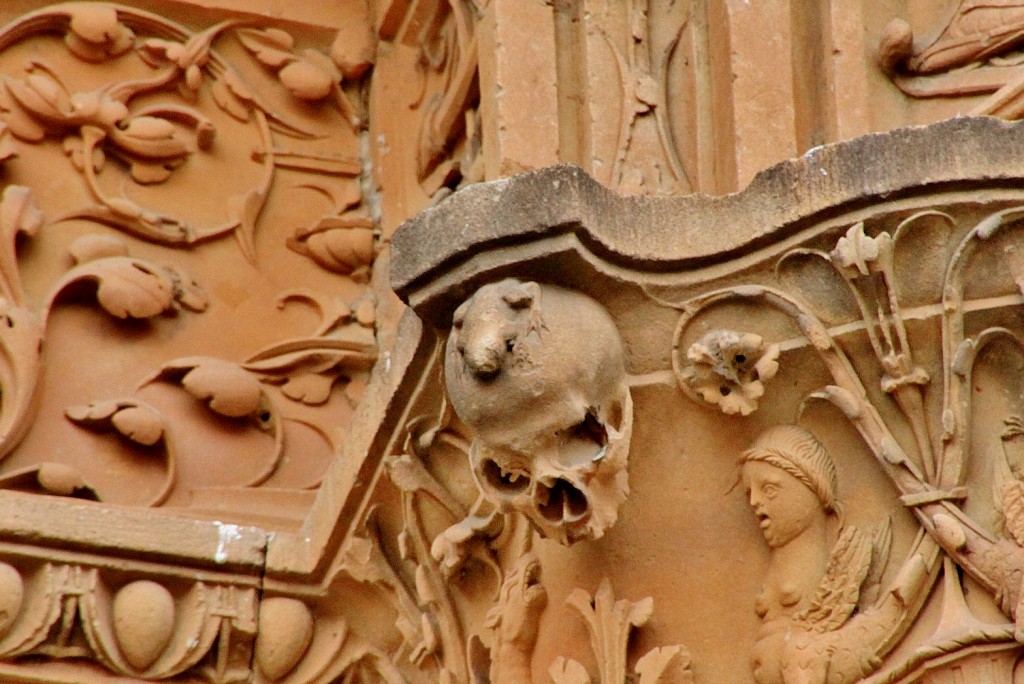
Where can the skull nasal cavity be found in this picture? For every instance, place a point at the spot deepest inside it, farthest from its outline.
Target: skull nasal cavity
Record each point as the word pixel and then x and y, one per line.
pixel 506 482
pixel 561 501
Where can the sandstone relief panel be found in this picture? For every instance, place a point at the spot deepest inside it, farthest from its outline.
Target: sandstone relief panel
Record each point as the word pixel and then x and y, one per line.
pixel 823 428
pixel 973 52
pixel 771 437
pixel 115 120
pixel 188 326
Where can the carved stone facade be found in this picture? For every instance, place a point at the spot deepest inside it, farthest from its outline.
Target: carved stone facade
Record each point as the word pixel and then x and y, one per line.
pixel 618 425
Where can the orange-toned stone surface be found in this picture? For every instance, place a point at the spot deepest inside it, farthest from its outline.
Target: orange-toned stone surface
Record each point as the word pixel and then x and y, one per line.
pixel 770 436
pixel 821 433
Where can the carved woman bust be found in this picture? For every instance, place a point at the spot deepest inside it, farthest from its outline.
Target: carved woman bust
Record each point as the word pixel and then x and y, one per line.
pixel 816 566
pixel 790 482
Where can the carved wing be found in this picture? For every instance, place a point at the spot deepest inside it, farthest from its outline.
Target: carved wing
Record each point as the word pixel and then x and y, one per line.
pixel 836 597
pixel 881 544
pixel 1013 509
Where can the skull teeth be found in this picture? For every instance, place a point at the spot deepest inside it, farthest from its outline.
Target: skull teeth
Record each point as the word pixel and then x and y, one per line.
pixel 511 475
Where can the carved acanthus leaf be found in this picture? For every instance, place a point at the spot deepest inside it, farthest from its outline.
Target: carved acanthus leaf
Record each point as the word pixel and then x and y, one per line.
pixel 568 671
pixel 610 623
pixel 228 390
pixel 19 215
pixel 224 386
pixel 653 664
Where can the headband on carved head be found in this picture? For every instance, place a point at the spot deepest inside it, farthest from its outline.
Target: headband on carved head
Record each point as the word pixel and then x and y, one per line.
pixel 797 452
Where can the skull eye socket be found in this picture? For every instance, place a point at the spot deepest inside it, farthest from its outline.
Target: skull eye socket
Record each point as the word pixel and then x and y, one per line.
pixel 510 344
pixel 590 429
pixel 506 482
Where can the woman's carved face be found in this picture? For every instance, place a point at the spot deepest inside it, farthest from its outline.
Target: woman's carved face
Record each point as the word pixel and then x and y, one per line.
pixel 784 506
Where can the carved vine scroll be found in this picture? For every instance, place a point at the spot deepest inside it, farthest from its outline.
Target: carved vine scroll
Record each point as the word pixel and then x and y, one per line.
pixel 134 112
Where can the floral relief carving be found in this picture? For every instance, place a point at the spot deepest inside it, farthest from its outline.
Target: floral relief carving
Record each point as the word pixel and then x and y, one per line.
pixel 140 108
pixel 835 636
pixel 150 138
pixel 124 287
pixel 729 369
pixel 609 623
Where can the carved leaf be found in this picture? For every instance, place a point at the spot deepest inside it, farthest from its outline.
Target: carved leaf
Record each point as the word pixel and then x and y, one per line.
pixel 21 335
pixel 127 287
pixel 61 479
pixel 609 623
pixel 312 389
pixel 95 33
pixel 19 215
pixel 272 47
pixel 310 367
pixel 653 664
pixel 340 245
pixel 246 210
pixel 228 99
pixel 1013 509
pixel 306 81
pixel 839 590
pixel 224 386
pixel 568 671
pixel 157 52
pixel 134 419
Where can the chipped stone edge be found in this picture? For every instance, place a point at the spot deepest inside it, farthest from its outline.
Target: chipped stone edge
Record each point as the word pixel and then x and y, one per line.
pixel 679 232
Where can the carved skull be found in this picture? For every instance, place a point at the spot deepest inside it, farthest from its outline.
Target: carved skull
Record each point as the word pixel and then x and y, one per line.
pixel 538 372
